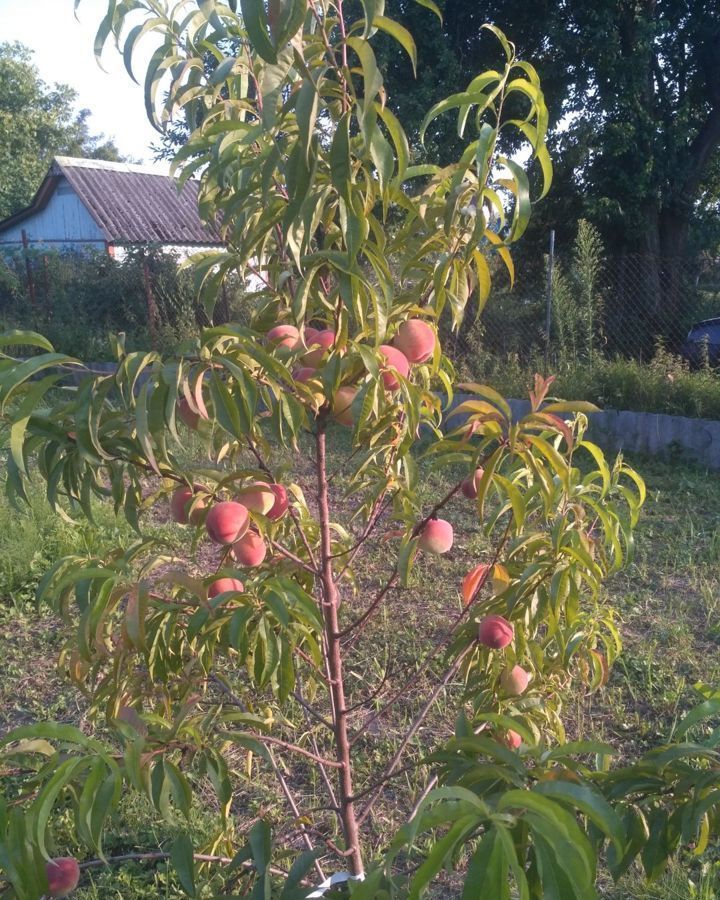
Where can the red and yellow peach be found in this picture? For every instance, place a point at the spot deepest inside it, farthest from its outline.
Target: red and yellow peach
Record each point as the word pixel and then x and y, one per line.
pixel 416 340
pixel 227 522
pixel 250 550
pixel 436 536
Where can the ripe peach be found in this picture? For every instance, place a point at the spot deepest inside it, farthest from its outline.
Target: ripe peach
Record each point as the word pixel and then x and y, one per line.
pixel 416 339
pixel 227 522
pixel 514 681
pixel 280 506
pixel 63 875
pixel 250 550
pixel 309 333
pixel 284 336
pixel 225 584
pixel 471 484
pixel 495 632
pixel 189 416
pixel 512 739
pixel 394 359
pixel 180 502
pixel 436 536
pixel 257 497
pixel 342 405
pixel 304 373
pixel 321 342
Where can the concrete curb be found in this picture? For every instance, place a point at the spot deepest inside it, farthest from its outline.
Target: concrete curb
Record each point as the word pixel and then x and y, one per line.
pixel 654 434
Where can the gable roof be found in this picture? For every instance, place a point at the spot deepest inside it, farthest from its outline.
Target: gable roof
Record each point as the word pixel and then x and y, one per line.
pixel 130 204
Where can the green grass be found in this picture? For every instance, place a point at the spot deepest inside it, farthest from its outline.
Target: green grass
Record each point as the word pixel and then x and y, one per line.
pixel 668 603
pixel 664 385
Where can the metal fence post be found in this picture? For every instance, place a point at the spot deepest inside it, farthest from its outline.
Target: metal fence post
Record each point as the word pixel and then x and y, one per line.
pixel 548 299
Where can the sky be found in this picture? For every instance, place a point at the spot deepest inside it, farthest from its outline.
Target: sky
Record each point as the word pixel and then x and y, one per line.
pixel 63 52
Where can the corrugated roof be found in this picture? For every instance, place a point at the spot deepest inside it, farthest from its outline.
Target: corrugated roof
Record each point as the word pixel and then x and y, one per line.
pixel 131 204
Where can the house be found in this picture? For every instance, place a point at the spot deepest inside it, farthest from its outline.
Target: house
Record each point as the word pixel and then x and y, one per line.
pixel 89 203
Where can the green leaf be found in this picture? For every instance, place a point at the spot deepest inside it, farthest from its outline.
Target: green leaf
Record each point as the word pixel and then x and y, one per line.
pixel 255 21
pixel 705 710
pixel 183 861
pixel 48 794
pixel 428 4
pixel 439 854
pixel 400 34
pixel 488 866
pixel 406 557
pixel 306 110
pixel 570 849
pixel 589 802
pixel 521 189
pixel 340 165
pixel 506 45
pixel 297 874
pixel 372 79
pixel 260 840
pixel 25 338
pixel 399 139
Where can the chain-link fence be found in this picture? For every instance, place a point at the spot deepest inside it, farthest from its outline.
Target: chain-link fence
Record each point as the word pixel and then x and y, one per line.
pixel 573 307
pixel 582 304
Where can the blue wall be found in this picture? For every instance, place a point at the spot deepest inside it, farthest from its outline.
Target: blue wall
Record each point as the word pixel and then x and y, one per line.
pixel 65 224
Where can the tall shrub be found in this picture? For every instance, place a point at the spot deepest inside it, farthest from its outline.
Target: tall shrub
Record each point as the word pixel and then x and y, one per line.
pixel 258 638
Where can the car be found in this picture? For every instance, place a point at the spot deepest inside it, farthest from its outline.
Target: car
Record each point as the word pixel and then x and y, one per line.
pixel 702 343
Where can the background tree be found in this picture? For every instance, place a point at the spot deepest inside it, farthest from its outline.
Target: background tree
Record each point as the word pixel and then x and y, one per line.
pixel 37 122
pixel 633 90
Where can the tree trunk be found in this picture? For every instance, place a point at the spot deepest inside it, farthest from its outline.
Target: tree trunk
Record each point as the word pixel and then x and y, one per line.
pixel 333 653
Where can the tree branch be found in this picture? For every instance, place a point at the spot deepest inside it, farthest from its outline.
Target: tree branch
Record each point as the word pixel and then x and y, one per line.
pixel 361 620
pixel 295 811
pixel 283 551
pixel 411 732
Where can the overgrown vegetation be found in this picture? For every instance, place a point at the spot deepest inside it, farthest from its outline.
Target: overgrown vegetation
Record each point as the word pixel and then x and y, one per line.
pixel 507 346
pixel 664 385
pixel 78 299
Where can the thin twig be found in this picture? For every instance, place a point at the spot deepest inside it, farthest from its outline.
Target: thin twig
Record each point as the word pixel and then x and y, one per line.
pixel 283 551
pixel 411 767
pixel 294 748
pixel 430 786
pixel 374 694
pixel 411 732
pixel 375 518
pixel 311 710
pixel 268 739
pixel 332 653
pixel 295 811
pixel 360 621
pixel 323 773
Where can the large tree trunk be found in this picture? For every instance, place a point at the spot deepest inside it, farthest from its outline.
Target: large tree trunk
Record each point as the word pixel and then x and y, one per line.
pixel 658 275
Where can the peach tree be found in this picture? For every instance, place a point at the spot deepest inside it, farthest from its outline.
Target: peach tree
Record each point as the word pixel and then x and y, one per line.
pixel 289 451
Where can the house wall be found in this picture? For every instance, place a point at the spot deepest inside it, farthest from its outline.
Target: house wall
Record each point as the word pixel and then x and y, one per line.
pixel 64 224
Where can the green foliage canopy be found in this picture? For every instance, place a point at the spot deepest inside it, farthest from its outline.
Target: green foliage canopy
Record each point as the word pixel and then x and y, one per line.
pixel 634 94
